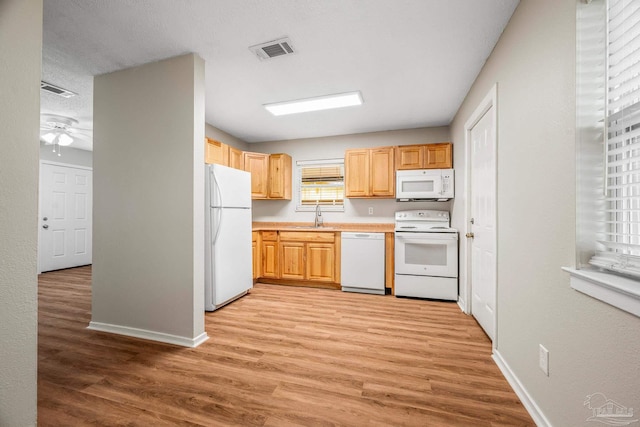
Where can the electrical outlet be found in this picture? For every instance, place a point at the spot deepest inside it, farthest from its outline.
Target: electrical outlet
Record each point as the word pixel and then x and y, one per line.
pixel 544 360
pixel 370 210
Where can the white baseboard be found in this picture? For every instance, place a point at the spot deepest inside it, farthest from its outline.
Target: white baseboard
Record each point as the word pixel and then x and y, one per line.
pixel 149 335
pixel 462 305
pixel 526 399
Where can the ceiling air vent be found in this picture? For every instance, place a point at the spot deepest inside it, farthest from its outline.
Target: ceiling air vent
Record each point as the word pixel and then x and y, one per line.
pixel 273 48
pixel 56 90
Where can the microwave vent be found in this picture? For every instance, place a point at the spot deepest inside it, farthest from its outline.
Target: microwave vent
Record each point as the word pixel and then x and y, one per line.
pixel 273 49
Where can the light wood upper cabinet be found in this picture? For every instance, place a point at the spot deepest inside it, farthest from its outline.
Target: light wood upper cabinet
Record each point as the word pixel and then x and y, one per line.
pixel 438 156
pixel 216 152
pixel 222 154
pixel 382 171
pixel 427 156
pixel 236 158
pixel 356 173
pixel 410 157
pixel 279 176
pixel 370 172
pixel 258 165
pixel 270 175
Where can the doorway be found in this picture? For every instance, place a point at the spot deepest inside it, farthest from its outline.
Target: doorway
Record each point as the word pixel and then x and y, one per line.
pixel 481 242
pixel 65 216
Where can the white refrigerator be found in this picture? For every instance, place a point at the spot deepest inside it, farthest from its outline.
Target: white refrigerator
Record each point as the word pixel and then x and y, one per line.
pixel 228 263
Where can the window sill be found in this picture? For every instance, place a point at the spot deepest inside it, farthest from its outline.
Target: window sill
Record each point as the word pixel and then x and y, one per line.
pixel 617 291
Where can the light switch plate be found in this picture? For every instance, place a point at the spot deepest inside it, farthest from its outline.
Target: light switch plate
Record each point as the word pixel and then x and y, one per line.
pixel 544 360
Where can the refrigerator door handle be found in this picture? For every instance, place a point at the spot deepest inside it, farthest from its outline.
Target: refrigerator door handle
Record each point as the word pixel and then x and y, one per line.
pixel 219 221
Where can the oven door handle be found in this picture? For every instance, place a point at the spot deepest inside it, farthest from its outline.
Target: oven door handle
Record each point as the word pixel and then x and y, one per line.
pixel 426 237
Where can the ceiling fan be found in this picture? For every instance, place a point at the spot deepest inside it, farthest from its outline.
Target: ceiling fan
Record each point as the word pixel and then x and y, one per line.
pixel 61 131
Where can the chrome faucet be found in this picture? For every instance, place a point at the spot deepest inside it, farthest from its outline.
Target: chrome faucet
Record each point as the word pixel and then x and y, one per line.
pixel 318 221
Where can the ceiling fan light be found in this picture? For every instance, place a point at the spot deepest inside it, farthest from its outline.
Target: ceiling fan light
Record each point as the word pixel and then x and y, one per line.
pixel 64 140
pixel 49 137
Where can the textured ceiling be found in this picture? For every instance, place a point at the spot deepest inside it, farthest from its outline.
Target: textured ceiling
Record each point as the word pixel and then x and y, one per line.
pixel 413 60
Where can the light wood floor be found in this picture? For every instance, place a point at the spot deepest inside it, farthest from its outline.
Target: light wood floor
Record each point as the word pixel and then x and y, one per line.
pixel 281 356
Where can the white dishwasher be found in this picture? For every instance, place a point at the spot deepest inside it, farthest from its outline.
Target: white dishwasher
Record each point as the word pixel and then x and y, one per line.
pixel 362 262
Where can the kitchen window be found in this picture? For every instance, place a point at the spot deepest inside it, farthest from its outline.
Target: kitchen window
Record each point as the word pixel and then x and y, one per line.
pixel 320 182
pixel 608 152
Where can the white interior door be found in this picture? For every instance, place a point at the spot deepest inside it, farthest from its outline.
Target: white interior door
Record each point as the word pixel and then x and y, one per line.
pixel 66 200
pixel 483 222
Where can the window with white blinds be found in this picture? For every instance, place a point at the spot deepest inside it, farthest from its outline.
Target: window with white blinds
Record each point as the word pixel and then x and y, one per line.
pixel 619 245
pixel 320 182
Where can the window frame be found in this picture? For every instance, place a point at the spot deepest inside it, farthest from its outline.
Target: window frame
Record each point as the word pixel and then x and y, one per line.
pixel 592 145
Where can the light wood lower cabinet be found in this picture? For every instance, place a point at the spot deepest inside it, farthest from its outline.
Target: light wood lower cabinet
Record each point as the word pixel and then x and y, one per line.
pixel 270 255
pixel 321 262
pixel 301 256
pixel 256 251
pixel 292 259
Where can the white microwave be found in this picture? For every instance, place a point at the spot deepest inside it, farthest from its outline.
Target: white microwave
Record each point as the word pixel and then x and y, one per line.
pixel 424 184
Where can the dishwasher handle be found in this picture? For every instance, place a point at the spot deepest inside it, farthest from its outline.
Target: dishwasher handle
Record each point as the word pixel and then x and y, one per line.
pixel 371 236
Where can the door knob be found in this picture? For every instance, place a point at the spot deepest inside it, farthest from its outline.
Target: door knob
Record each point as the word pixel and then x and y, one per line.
pixel 45 226
pixel 469 235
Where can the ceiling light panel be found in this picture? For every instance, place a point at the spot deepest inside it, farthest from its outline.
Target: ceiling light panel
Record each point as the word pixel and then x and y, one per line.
pixel 327 102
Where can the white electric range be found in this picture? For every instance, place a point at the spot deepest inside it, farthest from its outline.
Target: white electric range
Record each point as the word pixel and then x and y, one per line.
pixel 426 255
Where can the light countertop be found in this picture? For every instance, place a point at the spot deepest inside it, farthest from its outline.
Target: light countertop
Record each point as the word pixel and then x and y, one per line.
pixel 328 226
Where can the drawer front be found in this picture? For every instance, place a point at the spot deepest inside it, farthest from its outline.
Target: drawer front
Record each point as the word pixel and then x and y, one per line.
pixel 270 236
pixel 307 236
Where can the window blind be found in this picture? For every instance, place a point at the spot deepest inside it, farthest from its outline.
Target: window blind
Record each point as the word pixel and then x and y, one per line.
pixel 620 245
pixel 322 184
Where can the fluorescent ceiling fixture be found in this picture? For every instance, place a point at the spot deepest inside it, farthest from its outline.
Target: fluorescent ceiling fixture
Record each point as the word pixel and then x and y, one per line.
pixel 315 104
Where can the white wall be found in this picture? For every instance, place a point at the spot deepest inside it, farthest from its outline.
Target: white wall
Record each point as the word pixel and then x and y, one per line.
pixel 69 155
pixel 593 346
pixel 148 246
pixel 332 147
pixel 20 69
